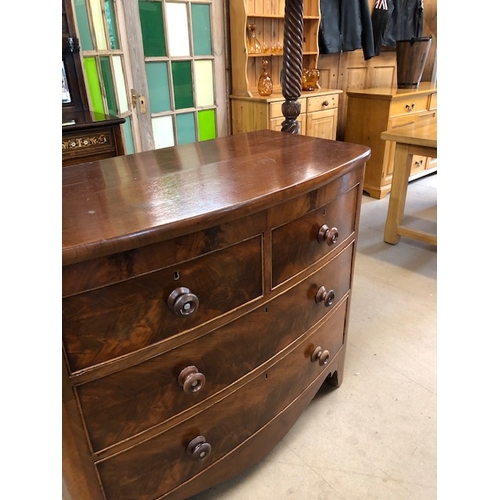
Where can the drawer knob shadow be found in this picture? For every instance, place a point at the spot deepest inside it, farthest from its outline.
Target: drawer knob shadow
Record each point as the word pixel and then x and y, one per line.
pixel 327 297
pixel 320 356
pixel 182 302
pixel 199 449
pixel 329 235
pixel 191 380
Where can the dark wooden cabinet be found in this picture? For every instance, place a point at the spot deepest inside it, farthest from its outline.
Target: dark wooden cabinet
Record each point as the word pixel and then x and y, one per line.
pixel 206 292
pixel 91 138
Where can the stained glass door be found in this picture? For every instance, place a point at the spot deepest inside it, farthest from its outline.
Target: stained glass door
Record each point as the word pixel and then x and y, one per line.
pixel 180 67
pixel 158 63
pixel 104 63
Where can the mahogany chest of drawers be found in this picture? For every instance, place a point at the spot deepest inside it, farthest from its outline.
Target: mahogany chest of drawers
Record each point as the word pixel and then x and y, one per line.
pixel 206 292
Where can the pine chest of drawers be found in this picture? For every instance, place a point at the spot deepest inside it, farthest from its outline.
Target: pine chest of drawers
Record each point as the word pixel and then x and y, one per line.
pixel 206 293
pixel 373 111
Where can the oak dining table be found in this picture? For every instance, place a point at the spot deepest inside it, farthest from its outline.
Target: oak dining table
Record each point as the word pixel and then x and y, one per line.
pixel 419 138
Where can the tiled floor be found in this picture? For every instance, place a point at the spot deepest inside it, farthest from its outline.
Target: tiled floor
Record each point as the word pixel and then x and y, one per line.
pixel 374 438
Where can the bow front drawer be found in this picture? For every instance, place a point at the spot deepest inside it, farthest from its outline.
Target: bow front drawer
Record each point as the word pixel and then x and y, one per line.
pixel 298 244
pixel 148 470
pixel 103 324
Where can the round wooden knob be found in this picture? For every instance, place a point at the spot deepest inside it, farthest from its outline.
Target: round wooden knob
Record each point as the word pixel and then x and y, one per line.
pixel 198 448
pixel 322 295
pixel 191 380
pixel 329 235
pixel 320 356
pixel 182 302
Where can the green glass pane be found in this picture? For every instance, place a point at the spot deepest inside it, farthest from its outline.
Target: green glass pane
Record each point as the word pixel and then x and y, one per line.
pixel 153 32
pixel 202 35
pixel 82 19
pixel 94 88
pixel 206 124
pixel 158 87
pixel 109 87
pixel 183 84
pixel 109 8
pixel 128 138
pixel 185 128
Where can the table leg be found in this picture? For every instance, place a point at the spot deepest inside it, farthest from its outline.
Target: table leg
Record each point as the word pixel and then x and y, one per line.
pixel 399 188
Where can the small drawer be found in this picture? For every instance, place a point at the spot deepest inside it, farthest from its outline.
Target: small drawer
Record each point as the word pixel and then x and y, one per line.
pixel 418 164
pixel 275 110
pixel 410 104
pixel 119 319
pixel 118 406
pixel 433 104
pixel 321 102
pixel 300 243
pixel 152 468
pixel 86 143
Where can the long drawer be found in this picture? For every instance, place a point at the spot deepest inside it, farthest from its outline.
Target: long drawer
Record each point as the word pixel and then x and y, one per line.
pixel 103 324
pixel 125 403
pixel 155 466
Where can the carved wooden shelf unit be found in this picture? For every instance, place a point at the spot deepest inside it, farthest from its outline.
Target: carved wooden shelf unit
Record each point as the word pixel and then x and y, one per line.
pixel 206 292
pixel 250 111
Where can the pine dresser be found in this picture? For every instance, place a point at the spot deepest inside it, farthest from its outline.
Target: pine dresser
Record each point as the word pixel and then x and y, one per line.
pixel 206 292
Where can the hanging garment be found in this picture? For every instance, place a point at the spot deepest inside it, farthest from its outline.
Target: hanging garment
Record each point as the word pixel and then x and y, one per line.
pixel 346 25
pixel 394 20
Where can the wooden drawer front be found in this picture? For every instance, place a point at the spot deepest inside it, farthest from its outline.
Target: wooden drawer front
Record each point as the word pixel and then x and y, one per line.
pixel 418 164
pixel 410 104
pixel 119 319
pixel 322 102
pixel 85 143
pixel 295 246
pixel 155 466
pixel 433 104
pixel 275 110
pixel 123 404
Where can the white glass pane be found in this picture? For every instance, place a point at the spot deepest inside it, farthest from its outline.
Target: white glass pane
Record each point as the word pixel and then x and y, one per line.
pixel 120 84
pixel 177 29
pixel 97 19
pixel 163 131
pixel 203 77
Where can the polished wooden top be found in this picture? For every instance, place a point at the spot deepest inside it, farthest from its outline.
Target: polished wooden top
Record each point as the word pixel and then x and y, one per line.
pixel 129 201
pixel 420 133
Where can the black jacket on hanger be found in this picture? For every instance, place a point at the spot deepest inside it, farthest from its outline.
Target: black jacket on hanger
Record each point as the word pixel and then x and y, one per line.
pixel 346 25
pixel 394 20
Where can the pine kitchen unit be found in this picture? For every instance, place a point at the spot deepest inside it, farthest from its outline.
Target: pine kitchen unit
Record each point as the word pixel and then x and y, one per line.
pixel 249 110
pixel 318 116
pixel 206 295
pixel 373 111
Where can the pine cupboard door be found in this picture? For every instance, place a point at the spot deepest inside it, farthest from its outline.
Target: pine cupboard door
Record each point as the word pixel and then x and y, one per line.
pixel 322 124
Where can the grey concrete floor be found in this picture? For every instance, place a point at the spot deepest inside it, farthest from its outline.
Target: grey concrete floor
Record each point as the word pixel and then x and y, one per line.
pixel 375 437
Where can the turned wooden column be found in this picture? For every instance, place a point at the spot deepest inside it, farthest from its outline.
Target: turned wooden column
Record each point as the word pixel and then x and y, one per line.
pixel 291 74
